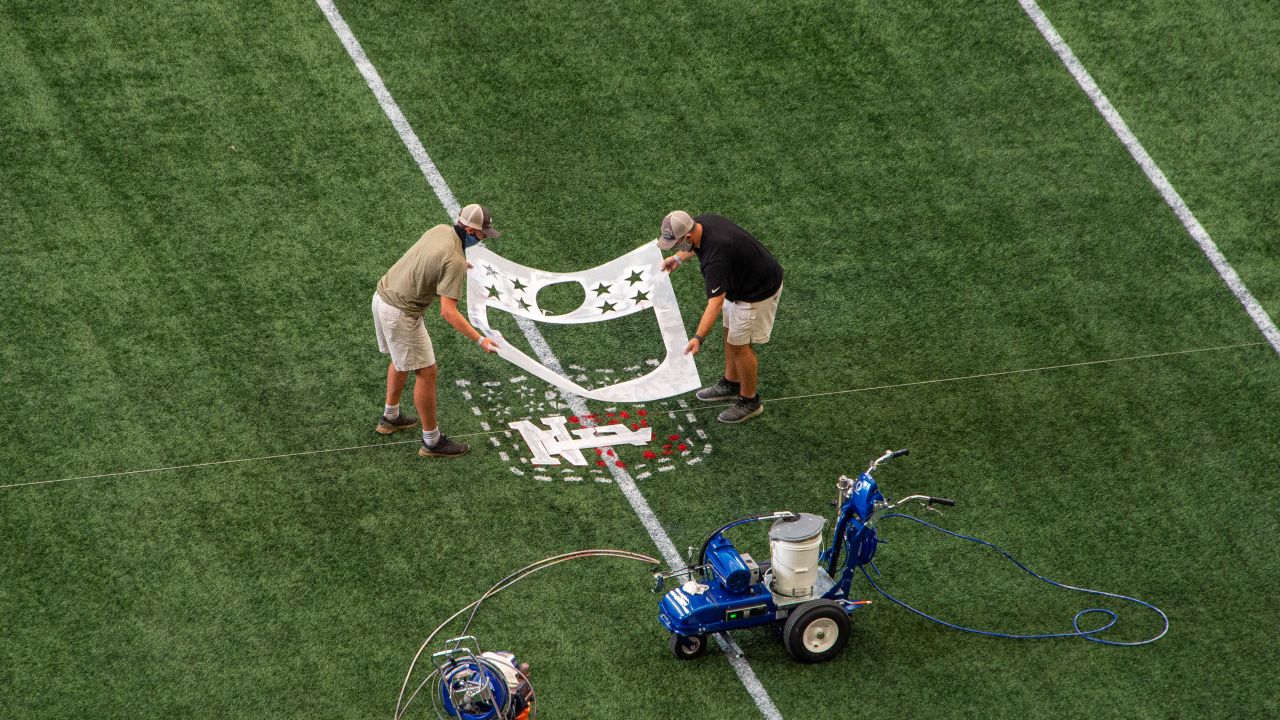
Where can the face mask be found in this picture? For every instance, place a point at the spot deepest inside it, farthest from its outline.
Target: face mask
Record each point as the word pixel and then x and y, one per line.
pixel 468 240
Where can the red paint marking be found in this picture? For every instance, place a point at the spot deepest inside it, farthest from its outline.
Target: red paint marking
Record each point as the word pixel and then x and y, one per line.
pixel 682 447
pixel 599 451
pixel 620 464
pixel 624 414
pixel 600 463
pixel 649 455
pixel 673 437
pixel 635 426
pixel 644 423
pixel 641 413
pixel 574 419
pixel 609 453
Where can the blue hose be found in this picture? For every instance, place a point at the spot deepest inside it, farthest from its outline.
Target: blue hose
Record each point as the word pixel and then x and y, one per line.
pixel 1089 635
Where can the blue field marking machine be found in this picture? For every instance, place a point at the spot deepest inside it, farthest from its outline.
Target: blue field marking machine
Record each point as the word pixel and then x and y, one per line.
pixel 802 589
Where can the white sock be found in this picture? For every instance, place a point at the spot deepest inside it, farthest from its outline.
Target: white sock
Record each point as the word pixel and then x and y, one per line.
pixel 431 437
pixel 391 412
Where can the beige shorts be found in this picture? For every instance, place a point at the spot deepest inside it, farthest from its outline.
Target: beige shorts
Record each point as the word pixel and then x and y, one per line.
pixel 403 337
pixel 746 323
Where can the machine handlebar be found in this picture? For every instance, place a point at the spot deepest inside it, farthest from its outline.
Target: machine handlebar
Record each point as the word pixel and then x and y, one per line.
pixel 886 457
pixel 941 501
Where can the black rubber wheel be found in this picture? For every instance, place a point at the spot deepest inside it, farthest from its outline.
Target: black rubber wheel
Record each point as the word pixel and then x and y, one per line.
pixel 817 631
pixel 687 647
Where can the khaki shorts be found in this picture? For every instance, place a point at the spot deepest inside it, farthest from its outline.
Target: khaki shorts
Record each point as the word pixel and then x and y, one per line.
pixel 746 323
pixel 402 336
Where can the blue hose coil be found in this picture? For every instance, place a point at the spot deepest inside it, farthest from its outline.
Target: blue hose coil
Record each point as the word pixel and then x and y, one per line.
pixel 1089 635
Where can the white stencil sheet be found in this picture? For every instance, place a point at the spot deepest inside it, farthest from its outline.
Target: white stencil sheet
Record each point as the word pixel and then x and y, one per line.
pixel 629 284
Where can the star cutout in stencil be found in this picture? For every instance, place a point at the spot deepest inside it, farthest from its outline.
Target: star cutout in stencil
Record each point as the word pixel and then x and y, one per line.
pixel 518 285
pixel 635 277
pixel 607 307
pixel 524 305
pixel 493 292
pixel 602 289
pixel 488 270
pixel 640 297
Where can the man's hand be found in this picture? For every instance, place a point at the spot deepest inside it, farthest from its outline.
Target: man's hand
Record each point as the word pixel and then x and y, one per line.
pixel 693 347
pixel 671 263
pixel 489 345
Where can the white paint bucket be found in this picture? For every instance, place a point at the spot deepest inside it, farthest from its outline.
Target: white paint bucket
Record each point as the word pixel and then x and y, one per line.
pixel 794 546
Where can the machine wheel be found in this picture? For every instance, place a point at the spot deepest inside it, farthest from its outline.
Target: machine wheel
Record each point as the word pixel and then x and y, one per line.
pixel 687 647
pixel 817 631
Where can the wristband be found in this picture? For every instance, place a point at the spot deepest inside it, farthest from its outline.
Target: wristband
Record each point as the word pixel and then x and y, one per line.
pixel 699 338
pixel 679 262
pixel 480 341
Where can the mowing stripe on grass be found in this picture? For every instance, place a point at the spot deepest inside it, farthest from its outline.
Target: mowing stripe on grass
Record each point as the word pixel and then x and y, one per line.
pixel 716 407
pixel 621 477
pixel 1157 177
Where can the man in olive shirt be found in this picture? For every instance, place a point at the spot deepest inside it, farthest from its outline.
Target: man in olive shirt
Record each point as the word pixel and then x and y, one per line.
pixel 435 267
pixel 743 283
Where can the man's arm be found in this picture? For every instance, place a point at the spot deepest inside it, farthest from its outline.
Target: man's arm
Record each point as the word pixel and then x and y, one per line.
pixel 676 260
pixel 449 311
pixel 708 321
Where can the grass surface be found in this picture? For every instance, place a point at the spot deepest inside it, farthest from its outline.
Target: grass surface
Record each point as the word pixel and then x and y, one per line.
pixel 198 201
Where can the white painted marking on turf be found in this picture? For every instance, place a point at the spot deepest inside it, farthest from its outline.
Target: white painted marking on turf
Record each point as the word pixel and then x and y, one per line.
pixel 1153 172
pixel 536 341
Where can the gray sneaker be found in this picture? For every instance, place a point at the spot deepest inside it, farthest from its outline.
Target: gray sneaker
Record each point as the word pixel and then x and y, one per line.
pixel 446 447
pixel 742 410
pixel 386 425
pixel 722 390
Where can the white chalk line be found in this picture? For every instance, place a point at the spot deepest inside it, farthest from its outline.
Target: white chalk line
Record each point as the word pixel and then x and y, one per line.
pixel 1154 174
pixel 623 479
pixel 848 391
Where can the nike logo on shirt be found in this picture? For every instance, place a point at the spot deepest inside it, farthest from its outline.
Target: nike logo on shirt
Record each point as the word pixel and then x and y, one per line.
pixel 713 292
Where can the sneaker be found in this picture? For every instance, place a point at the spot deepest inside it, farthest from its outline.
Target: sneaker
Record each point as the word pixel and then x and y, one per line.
pixel 446 447
pixel 722 390
pixel 386 425
pixel 742 410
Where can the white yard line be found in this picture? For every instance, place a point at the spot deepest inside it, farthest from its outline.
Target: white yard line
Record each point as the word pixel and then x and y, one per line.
pixel 536 341
pixel 1139 153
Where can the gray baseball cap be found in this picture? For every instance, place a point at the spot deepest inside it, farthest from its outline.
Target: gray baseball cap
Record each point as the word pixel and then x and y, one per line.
pixel 675 226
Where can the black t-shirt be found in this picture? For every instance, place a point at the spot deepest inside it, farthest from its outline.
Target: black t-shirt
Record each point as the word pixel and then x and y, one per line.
pixel 735 263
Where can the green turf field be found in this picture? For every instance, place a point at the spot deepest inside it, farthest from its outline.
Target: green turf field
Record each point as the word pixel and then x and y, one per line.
pixel 196 201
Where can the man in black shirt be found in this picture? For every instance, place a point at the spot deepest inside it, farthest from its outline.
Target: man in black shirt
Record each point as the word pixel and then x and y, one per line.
pixel 743 282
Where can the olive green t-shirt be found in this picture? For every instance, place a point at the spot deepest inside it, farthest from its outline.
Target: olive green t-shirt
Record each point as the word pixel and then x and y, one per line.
pixel 433 267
